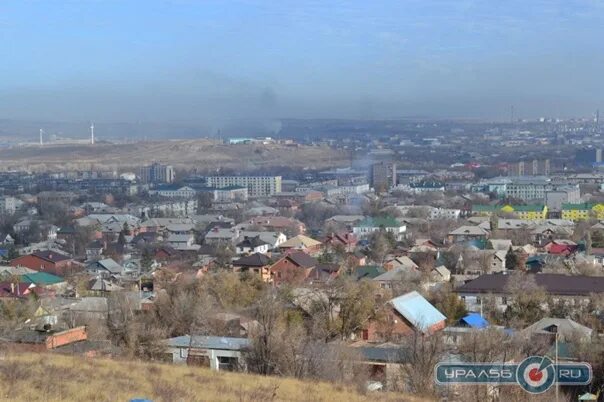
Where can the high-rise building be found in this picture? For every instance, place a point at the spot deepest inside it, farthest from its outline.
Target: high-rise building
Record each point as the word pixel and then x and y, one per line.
pixel 258 186
pixel 157 173
pixel 541 167
pixel 383 176
pixel 517 169
pixel 537 167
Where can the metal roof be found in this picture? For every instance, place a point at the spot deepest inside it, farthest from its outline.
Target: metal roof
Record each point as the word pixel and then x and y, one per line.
pixel 208 342
pixel 417 310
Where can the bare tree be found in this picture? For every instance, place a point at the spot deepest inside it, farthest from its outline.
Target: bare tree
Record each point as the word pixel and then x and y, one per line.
pixel 423 353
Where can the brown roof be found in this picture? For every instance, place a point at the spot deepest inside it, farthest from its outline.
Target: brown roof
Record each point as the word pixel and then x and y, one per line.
pixel 557 284
pixel 254 260
pixel 51 256
pixel 302 259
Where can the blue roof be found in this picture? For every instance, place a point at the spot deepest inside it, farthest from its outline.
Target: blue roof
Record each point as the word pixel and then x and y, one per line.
pixel 209 342
pixel 417 310
pixel 475 320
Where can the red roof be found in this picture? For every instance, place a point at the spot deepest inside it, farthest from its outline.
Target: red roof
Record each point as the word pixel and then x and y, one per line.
pixel 561 249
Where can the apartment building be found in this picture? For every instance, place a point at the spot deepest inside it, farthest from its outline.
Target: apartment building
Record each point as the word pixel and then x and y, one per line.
pixel 257 186
pixel 157 173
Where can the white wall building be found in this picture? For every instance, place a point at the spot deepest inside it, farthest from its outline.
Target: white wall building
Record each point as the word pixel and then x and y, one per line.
pixel 258 186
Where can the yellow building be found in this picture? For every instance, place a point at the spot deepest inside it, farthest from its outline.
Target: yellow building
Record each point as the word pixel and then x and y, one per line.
pixel 583 211
pixel 525 212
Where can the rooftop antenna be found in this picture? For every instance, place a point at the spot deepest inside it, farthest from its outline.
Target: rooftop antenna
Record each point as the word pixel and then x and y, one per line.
pixel 41 137
pixel 91 133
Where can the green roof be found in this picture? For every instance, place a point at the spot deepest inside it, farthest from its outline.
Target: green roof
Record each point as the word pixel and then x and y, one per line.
pixel 528 208
pixel 41 278
pixel 368 271
pixel 517 208
pixel 386 222
pixel 486 208
pixel 577 207
pixel 427 184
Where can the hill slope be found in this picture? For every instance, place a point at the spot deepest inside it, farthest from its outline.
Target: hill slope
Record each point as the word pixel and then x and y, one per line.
pixel 203 154
pixel 52 377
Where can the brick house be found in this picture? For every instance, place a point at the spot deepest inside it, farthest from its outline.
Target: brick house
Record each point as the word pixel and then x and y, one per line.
pixel 257 263
pixel 39 340
pixel 405 315
pixel 346 240
pixel 293 268
pixel 47 261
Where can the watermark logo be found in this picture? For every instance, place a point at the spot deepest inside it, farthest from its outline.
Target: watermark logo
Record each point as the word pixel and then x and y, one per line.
pixel 535 374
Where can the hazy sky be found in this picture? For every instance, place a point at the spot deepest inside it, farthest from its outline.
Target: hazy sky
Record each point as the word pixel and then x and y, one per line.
pixel 153 60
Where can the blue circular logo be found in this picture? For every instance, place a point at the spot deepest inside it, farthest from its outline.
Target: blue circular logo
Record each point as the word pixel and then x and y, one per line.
pixel 536 374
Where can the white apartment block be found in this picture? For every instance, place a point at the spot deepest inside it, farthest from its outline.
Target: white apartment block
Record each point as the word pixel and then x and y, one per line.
pixel 444 213
pixel 9 205
pixel 257 186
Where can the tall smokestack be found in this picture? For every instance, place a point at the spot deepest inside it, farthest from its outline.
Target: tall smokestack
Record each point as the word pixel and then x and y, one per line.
pixel 41 137
pixel 92 133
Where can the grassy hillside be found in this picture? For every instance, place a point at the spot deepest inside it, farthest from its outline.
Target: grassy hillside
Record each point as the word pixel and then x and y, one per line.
pixel 51 377
pixel 180 153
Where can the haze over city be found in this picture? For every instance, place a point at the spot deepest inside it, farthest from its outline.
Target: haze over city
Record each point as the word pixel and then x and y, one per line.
pixel 212 61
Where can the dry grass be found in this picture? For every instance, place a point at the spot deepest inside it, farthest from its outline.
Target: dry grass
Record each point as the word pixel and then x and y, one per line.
pixel 204 154
pixel 51 377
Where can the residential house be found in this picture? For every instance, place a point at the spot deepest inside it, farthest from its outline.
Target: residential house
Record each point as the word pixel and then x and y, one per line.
pixel 368 226
pixel 571 289
pixel 145 238
pixel 278 224
pixel 440 274
pixel 219 235
pixel 561 247
pixel 44 280
pixel 274 239
pixel 257 263
pixel 216 352
pixel 345 241
pixel 103 287
pixel 251 245
pixel 396 277
pixel 23 225
pixel 294 267
pixel 21 290
pixel 347 221
pixel 303 243
pixel 558 337
pixel 401 261
pixel 183 242
pixel 165 253
pixel 94 250
pixel 407 314
pixel 47 261
pixel 464 328
pixel 565 329
pixel 324 272
pixel 424 246
pixel 468 234
pixel 367 272
pixel 499 244
pixel 106 268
